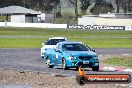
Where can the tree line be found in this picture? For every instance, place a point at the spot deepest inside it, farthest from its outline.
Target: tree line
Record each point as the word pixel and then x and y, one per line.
pixel 98 6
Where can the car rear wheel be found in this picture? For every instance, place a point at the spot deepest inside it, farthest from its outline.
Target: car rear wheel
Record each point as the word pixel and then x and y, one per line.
pixel 64 64
pixel 95 68
pixel 48 63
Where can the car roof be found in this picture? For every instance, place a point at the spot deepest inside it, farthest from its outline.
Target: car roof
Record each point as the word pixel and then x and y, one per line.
pixel 69 42
pixel 58 38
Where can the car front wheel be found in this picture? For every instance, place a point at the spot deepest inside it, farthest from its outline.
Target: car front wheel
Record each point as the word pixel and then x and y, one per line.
pixel 48 63
pixel 77 68
pixel 64 64
pixel 95 68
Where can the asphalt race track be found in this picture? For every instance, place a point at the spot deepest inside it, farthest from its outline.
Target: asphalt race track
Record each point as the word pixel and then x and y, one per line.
pixel 30 60
pixel 114 51
pixel 23 59
pixel 27 59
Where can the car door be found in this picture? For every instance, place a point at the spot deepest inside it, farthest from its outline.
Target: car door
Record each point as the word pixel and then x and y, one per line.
pixel 58 54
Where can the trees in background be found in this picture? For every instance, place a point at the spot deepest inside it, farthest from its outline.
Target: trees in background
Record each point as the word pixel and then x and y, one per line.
pixel 98 6
pixel 126 5
pixel 75 2
pixel 84 6
pixel 130 5
pixel 4 3
pixel 101 6
pixel 40 5
pixel 57 8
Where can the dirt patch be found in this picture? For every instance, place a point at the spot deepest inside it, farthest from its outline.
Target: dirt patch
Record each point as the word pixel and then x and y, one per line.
pixel 40 80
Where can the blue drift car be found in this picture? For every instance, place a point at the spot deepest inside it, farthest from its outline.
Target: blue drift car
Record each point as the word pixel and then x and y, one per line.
pixel 71 55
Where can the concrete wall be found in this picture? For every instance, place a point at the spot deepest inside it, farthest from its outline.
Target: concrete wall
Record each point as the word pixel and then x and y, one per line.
pixel 42 25
pixel 23 19
pixel 46 18
pixel 28 19
pixel 18 18
pixel 113 22
pixel 123 16
pixel 43 18
pixel 87 21
pixel 104 21
pixel 49 18
pixel 37 25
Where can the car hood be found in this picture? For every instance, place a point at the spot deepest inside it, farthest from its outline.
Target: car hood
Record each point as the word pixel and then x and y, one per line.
pixel 49 46
pixel 81 53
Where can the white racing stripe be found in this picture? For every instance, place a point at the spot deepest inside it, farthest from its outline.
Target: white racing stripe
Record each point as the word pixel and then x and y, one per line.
pixel 125 54
pixel 109 69
pixel 115 69
pixel 128 70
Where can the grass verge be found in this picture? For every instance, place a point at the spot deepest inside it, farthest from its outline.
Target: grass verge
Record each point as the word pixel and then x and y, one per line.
pixel 21 42
pixel 33 37
pixel 64 32
pixel 36 42
pixel 119 61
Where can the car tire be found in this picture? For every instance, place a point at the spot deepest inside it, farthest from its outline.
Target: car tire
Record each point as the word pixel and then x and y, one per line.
pixel 95 68
pixel 81 80
pixel 42 55
pixel 48 63
pixel 77 68
pixel 64 64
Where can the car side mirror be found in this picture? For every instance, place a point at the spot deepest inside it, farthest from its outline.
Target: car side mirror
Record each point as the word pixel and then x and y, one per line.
pixel 42 44
pixel 57 50
pixel 93 50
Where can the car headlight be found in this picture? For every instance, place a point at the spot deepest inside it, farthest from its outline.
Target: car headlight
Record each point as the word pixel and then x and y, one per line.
pixel 72 58
pixel 95 57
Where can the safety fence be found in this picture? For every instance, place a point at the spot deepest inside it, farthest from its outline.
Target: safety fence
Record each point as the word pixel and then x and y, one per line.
pixel 50 25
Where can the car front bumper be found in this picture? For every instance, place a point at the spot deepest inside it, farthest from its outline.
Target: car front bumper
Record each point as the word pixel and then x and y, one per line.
pixel 88 63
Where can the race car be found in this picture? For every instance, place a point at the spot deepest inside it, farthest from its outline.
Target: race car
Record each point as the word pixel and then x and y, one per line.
pixel 50 43
pixel 71 55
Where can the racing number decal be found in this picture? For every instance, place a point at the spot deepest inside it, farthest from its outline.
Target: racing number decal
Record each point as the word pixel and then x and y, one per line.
pixel 57 56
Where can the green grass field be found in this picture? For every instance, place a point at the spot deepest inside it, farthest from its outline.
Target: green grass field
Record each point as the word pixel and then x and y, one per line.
pixel 33 37
pixel 120 61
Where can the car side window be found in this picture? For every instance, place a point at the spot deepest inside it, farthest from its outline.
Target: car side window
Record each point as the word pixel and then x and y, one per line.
pixel 53 41
pixel 47 42
pixel 58 46
pixel 88 47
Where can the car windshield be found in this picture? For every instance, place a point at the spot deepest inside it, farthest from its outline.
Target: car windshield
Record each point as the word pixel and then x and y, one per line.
pixel 75 47
pixel 54 41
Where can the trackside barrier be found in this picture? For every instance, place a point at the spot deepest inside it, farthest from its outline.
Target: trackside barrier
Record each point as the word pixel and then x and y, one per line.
pixel 36 25
pixel 128 28
pixel 100 27
pixel 50 25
